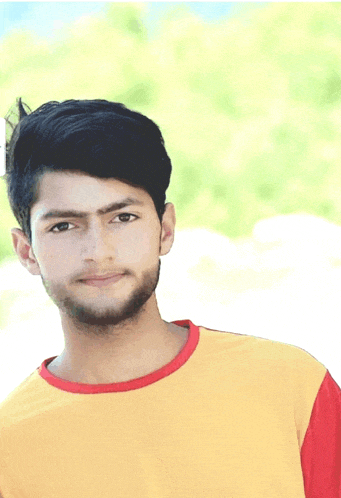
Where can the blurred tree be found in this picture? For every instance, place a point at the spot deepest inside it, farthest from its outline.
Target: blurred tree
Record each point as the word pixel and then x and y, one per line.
pixel 250 107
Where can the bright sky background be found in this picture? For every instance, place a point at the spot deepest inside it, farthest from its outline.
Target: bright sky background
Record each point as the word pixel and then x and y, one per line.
pixel 44 17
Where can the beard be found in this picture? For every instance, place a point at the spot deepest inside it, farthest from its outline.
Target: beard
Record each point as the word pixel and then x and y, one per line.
pixel 113 310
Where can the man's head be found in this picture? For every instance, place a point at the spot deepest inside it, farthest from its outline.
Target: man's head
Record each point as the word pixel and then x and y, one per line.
pixel 107 156
pixel 95 137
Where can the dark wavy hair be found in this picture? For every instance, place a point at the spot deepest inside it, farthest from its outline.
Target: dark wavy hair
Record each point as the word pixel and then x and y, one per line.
pixel 101 138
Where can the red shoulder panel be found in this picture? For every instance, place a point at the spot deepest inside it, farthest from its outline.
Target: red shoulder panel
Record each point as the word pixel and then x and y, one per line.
pixel 321 449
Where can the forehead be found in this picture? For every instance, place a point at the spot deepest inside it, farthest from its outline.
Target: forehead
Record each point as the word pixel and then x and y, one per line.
pixel 81 192
pixel 62 183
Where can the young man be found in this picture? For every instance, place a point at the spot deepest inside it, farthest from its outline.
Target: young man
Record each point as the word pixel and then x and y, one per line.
pixel 136 406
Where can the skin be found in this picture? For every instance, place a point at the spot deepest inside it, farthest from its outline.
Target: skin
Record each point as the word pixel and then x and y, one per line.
pixel 114 333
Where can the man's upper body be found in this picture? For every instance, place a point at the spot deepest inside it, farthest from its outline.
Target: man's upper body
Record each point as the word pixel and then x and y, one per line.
pixel 230 415
pixel 135 406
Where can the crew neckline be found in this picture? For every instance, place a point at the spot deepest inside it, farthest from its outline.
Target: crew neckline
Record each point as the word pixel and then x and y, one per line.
pixel 130 385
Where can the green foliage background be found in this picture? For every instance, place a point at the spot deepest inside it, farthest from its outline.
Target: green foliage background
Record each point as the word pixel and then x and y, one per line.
pixel 250 107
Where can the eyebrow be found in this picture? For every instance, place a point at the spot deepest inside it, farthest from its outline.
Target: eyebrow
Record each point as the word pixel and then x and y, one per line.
pixel 114 206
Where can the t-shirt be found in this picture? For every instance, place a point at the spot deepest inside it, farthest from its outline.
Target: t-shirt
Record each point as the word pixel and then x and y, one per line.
pixel 231 416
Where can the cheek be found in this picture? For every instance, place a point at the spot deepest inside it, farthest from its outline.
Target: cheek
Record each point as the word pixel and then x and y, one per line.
pixel 55 258
pixel 137 247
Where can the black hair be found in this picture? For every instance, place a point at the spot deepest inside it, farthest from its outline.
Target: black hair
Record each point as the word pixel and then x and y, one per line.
pixel 97 137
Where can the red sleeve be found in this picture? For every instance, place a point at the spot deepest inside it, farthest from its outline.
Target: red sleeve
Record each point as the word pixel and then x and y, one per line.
pixel 321 450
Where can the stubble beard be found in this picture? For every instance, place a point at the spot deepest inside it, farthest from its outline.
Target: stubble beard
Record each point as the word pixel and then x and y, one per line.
pixel 96 321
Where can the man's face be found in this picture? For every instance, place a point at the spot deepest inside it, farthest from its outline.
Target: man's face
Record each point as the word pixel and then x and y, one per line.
pixel 68 248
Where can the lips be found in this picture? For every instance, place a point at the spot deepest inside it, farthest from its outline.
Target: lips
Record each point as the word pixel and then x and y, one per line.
pixel 101 277
pixel 101 282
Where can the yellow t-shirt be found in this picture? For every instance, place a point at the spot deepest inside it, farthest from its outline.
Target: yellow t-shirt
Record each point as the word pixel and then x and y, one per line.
pixel 231 416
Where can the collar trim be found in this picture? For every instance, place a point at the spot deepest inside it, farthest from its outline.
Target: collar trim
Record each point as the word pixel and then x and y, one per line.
pixel 130 385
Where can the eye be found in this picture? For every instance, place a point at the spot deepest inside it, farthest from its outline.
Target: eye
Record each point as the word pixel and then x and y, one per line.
pixel 68 223
pixel 126 214
pixel 58 225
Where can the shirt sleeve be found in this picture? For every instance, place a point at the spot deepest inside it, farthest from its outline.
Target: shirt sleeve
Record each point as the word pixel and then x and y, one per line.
pixel 321 449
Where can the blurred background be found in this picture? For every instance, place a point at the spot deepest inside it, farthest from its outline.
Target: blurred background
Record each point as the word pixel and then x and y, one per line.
pixel 248 98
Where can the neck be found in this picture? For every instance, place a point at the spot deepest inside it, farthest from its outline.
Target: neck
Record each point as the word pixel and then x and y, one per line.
pixel 120 360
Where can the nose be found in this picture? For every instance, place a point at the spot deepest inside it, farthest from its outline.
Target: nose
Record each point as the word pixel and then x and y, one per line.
pixel 99 242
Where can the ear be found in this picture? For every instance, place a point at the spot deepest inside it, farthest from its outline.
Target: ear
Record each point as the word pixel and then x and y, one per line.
pixel 24 251
pixel 168 228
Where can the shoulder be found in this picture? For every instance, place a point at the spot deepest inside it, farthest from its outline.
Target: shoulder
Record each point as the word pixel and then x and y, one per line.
pixel 267 353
